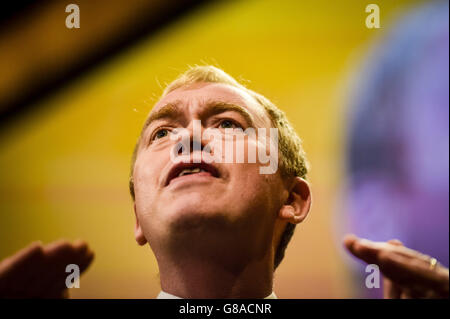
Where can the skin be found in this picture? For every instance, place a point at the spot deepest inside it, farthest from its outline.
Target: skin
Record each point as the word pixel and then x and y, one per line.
pixel 38 271
pixel 407 273
pixel 214 237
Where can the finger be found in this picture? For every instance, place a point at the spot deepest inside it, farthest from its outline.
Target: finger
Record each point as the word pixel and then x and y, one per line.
pixel 411 273
pixel 20 258
pixel 58 285
pixel 58 247
pixel 34 270
pixel 56 294
pixel 368 251
pixel 395 242
pixel 359 249
pixel 404 266
pixel 45 272
pixel 405 295
pixel 391 290
pixel 77 253
pixel 401 263
pixel 18 270
pixel 349 240
pixel 80 245
pixel 51 280
pixel 86 255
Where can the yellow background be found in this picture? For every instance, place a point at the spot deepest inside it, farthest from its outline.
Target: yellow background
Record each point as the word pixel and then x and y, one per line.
pixel 64 169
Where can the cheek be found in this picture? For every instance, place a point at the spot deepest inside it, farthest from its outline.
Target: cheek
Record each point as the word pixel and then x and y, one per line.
pixel 259 149
pixel 250 186
pixel 146 175
pixel 240 149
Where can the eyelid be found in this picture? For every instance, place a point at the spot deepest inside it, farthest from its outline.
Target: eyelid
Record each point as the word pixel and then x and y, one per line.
pixel 156 130
pixel 234 121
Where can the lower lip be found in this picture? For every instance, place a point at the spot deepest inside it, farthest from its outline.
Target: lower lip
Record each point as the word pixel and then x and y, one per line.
pixel 191 178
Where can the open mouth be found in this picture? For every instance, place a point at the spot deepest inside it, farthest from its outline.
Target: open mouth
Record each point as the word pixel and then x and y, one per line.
pixel 185 169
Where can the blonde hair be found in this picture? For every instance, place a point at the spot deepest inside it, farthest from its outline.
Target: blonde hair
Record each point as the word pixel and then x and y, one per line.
pixel 292 156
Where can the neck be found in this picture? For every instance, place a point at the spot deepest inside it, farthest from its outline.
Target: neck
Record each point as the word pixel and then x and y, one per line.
pixel 193 276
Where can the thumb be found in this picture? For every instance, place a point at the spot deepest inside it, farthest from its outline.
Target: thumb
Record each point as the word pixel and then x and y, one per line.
pixel 395 242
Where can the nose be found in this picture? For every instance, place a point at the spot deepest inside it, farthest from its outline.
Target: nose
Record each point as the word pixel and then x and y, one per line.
pixel 194 145
pixel 191 139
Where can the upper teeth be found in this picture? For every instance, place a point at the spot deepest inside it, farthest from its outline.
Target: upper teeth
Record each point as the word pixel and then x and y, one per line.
pixel 187 171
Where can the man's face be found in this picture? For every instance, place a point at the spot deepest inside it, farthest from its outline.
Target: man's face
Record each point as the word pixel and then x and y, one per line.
pixel 225 198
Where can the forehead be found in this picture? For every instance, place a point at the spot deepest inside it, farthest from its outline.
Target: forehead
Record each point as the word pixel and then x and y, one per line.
pixel 198 94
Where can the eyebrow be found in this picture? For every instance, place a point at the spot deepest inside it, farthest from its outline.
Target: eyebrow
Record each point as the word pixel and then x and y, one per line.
pixel 168 111
pixel 217 107
pixel 172 111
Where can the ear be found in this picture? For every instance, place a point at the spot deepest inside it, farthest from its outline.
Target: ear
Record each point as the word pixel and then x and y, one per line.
pixel 138 233
pixel 298 204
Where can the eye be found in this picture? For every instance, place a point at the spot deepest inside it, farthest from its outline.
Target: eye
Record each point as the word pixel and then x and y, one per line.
pixel 228 124
pixel 160 134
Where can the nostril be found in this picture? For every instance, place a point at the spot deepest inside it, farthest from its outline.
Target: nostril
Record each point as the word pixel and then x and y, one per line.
pixel 180 147
pixel 207 149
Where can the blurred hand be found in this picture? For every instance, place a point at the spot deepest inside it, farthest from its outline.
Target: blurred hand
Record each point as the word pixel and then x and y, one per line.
pixel 39 271
pixel 408 273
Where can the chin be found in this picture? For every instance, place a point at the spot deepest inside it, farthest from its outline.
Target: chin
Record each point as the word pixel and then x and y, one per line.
pixel 195 214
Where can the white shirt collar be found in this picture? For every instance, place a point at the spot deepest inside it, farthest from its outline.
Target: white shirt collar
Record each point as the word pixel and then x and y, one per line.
pixel 165 295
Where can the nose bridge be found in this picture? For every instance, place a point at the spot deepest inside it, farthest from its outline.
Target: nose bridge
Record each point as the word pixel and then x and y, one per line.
pixel 194 133
pixel 193 114
pixel 194 128
pixel 192 141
